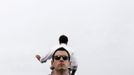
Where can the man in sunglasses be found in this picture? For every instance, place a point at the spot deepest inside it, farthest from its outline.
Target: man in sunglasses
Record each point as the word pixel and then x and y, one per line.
pixel 63 40
pixel 61 62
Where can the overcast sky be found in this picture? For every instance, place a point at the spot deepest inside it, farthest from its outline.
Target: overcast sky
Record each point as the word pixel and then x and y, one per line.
pixel 101 32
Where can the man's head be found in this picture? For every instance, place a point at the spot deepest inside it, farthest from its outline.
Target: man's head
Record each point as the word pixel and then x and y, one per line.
pixel 61 59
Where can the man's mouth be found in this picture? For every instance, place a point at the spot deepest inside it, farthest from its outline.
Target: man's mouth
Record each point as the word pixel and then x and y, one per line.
pixel 61 63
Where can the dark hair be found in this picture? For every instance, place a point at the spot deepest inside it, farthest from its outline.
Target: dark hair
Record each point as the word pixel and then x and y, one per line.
pixel 63 39
pixel 60 49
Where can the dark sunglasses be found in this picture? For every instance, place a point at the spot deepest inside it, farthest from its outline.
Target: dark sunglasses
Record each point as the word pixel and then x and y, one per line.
pixel 59 57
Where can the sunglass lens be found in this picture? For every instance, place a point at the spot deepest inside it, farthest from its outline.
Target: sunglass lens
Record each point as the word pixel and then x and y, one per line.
pixel 65 58
pixel 57 58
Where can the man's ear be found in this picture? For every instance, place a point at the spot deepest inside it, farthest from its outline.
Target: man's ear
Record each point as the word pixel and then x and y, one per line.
pixel 51 62
pixel 70 64
pixel 52 67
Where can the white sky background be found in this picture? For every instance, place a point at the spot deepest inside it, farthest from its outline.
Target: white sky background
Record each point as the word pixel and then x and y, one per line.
pixel 100 31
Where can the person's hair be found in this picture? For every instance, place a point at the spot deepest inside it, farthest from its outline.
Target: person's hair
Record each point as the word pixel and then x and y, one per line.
pixel 61 49
pixel 63 39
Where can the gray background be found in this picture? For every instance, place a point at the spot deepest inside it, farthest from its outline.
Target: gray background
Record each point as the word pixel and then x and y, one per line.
pixel 100 31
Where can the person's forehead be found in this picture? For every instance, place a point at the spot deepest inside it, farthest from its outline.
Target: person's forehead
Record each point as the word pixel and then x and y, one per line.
pixel 61 53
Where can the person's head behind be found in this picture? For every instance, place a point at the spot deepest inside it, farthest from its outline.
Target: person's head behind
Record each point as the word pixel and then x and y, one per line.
pixel 63 39
pixel 61 59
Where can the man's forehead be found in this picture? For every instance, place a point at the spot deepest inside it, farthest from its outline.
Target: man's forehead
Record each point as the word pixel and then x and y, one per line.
pixel 61 53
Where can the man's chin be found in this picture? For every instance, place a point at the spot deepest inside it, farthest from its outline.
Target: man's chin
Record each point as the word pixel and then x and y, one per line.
pixel 61 69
